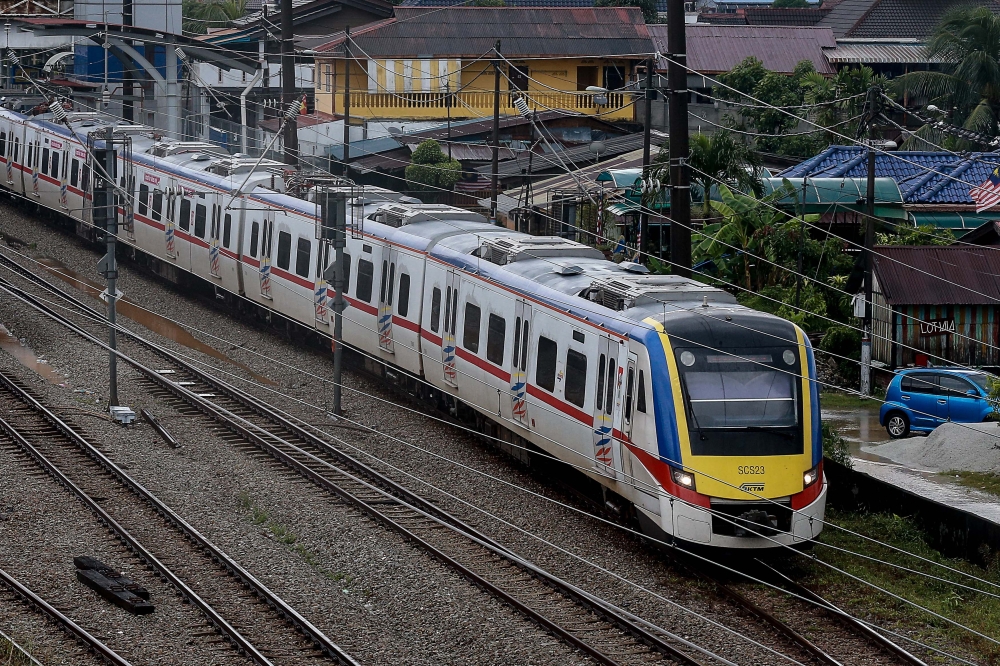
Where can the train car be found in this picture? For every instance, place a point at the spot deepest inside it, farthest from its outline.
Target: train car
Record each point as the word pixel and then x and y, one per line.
pixel 699 415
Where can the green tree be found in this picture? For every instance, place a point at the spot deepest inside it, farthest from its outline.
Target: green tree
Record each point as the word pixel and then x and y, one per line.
pixel 430 168
pixel 968 41
pixel 648 7
pixel 199 15
pixel 925 234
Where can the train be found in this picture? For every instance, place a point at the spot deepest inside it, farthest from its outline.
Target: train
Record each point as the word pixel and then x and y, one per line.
pixel 697 416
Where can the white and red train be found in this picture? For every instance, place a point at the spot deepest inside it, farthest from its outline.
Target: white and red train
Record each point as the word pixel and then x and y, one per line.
pixel 699 412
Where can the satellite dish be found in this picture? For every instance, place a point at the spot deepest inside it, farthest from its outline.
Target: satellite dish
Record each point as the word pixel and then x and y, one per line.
pixel 394 131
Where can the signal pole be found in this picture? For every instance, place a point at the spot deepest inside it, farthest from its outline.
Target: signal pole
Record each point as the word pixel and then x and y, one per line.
pixel 104 209
pixel 347 103
pixel 680 178
pixel 494 189
pixel 334 231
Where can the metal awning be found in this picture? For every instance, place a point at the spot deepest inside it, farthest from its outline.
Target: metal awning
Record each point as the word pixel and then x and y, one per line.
pixel 949 220
pixel 620 178
pixel 828 195
pixel 619 208
pixel 879 53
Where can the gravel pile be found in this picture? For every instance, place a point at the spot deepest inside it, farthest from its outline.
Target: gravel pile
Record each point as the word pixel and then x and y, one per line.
pixel 369 590
pixel 968 447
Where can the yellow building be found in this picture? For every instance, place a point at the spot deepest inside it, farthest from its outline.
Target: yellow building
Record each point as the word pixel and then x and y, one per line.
pixel 422 61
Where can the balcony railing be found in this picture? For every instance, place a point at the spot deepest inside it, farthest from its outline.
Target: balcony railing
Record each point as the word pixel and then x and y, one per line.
pixel 477 103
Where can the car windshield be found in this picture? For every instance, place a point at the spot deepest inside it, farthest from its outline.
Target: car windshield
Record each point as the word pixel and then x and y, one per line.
pixel 981 379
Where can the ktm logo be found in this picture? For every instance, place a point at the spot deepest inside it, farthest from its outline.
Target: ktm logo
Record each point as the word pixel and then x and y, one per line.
pixel 753 487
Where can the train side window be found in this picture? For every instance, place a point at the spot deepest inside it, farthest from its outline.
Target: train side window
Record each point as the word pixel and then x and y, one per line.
pixel 303 252
pixel 609 398
pixel 3 143
pixel 45 161
pixel 599 398
pixel 199 220
pixel 385 278
pixel 31 155
pixel 392 282
pixel 403 306
pixel 496 332
pixel 435 309
pixel 454 309
pixel 143 199
pixel 347 273
pixel 17 148
pixel 254 235
pixel 157 205
pixel 366 275
pixel 470 328
pixel 284 249
pixel 629 385
pixel 640 401
pixel 74 172
pixel 524 346
pixel 227 230
pixel 55 164
pixel 447 309
pixel 545 365
pixel 186 215
pixel 517 343
pixel 576 377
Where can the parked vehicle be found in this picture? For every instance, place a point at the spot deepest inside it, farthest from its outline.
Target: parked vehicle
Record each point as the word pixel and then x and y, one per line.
pixel 921 399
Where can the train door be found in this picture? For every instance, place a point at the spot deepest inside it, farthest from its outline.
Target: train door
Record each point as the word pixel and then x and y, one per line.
pixel 519 363
pixel 265 254
pixel 213 240
pixel 448 330
pixel 385 295
pixel 604 403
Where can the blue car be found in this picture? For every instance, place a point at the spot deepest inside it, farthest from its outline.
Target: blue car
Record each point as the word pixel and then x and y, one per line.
pixel 921 399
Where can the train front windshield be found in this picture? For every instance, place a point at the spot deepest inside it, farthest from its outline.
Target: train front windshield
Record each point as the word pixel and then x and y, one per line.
pixel 756 391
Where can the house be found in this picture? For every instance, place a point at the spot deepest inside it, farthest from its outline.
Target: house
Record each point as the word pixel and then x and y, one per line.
pixel 934 185
pixel 936 302
pixel 435 63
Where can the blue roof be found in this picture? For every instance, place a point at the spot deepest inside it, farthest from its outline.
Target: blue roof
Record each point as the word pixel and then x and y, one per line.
pixel 924 177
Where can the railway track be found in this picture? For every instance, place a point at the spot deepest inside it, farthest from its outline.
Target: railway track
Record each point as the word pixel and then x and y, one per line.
pixel 21 592
pixel 606 633
pixel 231 598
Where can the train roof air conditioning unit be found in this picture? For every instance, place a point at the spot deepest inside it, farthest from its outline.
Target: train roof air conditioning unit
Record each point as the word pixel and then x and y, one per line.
pixel 168 148
pixel 400 214
pixel 628 291
pixel 507 250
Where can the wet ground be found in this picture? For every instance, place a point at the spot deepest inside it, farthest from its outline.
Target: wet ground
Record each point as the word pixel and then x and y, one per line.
pixel 860 428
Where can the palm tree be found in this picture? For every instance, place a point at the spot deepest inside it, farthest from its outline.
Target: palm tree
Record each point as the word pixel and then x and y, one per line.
pixel 199 15
pixel 968 41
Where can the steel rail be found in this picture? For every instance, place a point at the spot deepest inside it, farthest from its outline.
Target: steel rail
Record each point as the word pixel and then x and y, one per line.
pixel 389 490
pixel 271 598
pixel 92 643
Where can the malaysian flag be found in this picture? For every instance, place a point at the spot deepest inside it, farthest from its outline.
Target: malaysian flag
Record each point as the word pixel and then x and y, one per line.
pixel 987 195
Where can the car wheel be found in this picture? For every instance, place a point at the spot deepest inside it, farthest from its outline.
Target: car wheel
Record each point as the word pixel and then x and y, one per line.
pixel 897 425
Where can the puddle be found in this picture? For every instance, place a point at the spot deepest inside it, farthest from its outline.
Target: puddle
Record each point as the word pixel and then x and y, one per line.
pixel 26 357
pixel 859 427
pixel 141 315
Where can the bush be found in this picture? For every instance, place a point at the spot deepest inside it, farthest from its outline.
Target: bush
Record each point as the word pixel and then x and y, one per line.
pixel 835 447
pixel 430 168
pixel 844 341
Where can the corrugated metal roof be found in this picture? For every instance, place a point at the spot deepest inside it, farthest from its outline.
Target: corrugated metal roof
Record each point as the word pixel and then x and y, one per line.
pixel 714 49
pixel 924 177
pixel 870 53
pixel 661 5
pixel 418 32
pixel 938 275
pixel 575 155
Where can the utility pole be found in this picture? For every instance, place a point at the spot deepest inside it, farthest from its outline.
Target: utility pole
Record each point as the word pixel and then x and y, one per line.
pixel 647 126
pixel 802 245
pixel 347 100
pixel 128 89
pixel 288 82
pixel 680 178
pixel 334 226
pixel 494 189
pixel 447 105
pixel 104 210
pixel 873 106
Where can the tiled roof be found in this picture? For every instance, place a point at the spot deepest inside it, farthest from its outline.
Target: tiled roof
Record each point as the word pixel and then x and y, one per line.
pixel 938 275
pixel 783 15
pixel 923 177
pixel 892 19
pixel 523 32
pixel 661 5
pixel 718 48
pixel 739 18
pixel 844 15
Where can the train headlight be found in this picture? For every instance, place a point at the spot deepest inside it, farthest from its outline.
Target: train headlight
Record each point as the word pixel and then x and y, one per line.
pixel 682 478
pixel 810 477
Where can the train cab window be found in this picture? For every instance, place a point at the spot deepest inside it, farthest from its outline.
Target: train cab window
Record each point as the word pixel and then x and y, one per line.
pixel 254 236
pixel 186 215
pixel 640 401
pixel 284 249
pixel 435 309
pixel 199 220
pixel 227 230
pixel 403 306
pixel 496 332
pixel 45 161
pixel 74 172
pixel 157 205
pixel 303 252
pixel 143 199
pixel 576 377
pixel 545 365
pixel 366 276
pixel 470 330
